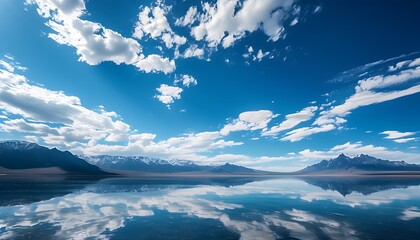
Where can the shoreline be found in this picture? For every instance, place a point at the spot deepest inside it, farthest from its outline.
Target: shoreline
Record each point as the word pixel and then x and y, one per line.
pixel 201 175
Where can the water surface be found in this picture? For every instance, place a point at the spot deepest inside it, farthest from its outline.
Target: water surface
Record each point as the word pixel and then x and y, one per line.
pixel 235 208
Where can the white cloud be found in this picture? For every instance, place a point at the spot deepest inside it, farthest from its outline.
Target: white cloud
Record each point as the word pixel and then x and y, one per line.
pixel 187 146
pixel 294 22
pixel 31 138
pixel 381 81
pixel 398 66
pixel 318 9
pixel 414 63
pixel 404 140
pixel 93 42
pixel 192 51
pixel 189 18
pixel 251 120
pixel 154 63
pixel 7 66
pixel 56 119
pixel 410 214
pixel 39 107
pixel 153 23
pixel 292 120
pixel 21 125
pixel 396 134
pixel 260 55
pixel 229 20
pixel 301 133
pixel 167 94
pixel 255 57
pixel 186 80
pixel 365 95
pixel 366 98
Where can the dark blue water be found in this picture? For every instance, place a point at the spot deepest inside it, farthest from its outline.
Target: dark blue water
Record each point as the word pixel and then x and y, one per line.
pixel 236 208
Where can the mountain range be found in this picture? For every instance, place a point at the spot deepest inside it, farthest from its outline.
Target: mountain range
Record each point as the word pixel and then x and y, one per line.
pixel 361 163
pixel 157 165
pixel 21 157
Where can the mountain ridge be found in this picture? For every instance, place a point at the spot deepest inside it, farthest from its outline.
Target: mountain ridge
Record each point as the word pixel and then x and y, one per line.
pixel 157 165
pixel 22 155
pixel 359 163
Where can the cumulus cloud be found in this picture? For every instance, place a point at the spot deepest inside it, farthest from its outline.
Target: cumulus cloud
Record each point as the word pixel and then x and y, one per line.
pixel 168 94
pixel 155 63
pixel 226 21
pixel 153 22
pixel 192 51
pixel 39 107
pixel 251 120
pixel 186 80
pixel 93 42
pixel 57 119
pixel 187 146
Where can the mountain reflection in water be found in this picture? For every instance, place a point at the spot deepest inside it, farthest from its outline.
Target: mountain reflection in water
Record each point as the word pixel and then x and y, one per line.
pixel 235 208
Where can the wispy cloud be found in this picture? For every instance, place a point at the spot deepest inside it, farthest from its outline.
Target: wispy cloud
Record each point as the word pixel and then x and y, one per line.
pixel 251 120
pixel 399 137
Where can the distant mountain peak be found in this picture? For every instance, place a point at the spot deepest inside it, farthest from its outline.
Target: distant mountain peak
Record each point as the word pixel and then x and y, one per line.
pixel 362 162
pixel 18 145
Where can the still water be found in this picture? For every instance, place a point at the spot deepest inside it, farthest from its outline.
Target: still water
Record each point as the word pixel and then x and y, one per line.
pixel 236 208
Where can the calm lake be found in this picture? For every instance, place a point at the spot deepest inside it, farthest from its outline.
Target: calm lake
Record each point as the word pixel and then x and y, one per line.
pixel 220 208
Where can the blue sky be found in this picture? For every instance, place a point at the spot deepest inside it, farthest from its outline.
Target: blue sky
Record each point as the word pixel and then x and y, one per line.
pixel 273 85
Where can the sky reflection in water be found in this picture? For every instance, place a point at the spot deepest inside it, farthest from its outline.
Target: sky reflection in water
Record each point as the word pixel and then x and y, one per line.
pixel 267 209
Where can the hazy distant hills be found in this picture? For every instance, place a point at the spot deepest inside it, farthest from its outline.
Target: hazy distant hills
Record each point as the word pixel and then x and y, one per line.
pixel 361 163
pixel 16 156
pixel 157 165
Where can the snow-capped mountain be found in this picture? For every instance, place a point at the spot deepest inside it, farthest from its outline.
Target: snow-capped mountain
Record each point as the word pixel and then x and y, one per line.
pixel 144 164
pixel 157 165
pixel 17 145
pixel 359 163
